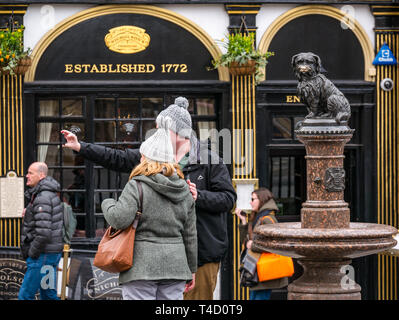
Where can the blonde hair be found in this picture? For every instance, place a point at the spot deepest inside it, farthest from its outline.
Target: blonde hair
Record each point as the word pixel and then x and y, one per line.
pixel 149 167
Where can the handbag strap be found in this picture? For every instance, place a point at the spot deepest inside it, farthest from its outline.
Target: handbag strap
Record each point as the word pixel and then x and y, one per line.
pixel 250 227
pixel 140 206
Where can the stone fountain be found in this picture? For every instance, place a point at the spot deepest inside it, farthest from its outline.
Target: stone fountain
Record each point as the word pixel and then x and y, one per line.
pixel 325 240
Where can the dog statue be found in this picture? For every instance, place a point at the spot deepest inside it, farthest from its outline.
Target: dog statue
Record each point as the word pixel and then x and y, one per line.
pixel 321 97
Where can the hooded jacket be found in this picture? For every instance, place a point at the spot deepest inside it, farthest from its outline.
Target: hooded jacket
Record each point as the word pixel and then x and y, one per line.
pixel 216 194
pixel 43 220
pixel 166 237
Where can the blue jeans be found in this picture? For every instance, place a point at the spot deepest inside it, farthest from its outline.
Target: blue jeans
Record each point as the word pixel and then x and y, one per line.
pixel 41 273
pixel 260 294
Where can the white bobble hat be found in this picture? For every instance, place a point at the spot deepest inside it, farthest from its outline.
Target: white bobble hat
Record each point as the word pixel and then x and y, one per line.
pixel 158 147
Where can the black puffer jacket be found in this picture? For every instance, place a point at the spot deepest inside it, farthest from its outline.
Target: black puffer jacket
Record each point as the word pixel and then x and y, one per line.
pixel 43 221
pixel 216 195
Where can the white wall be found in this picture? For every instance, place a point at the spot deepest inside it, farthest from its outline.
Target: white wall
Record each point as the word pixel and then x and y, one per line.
pixel 270 12
pixel 39 19
pixel 213 19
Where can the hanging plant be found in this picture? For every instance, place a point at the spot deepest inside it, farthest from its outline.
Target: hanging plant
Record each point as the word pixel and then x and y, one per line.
pixel 241 56
pixel 14 59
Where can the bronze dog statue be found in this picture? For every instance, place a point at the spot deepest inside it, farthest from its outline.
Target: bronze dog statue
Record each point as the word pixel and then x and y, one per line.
pixel 321 97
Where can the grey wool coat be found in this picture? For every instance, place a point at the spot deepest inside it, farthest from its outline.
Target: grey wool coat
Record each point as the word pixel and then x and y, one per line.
pixel 166 236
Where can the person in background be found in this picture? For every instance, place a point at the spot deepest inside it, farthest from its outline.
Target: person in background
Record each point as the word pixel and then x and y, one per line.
pixel 208 179
pixel 41 236
pixel 263 212
pixel 165 248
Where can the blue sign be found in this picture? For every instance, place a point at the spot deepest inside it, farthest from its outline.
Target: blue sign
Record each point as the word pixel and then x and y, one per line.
pixel 385 57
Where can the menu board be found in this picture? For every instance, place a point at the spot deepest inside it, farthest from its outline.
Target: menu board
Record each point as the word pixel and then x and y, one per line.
pixel 11 195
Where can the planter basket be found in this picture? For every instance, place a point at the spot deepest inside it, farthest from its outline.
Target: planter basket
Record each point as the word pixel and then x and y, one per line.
pixel 21 68
pixel 242 69
pixel 23 65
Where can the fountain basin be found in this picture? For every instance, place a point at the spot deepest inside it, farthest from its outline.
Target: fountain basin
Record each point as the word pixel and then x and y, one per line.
pixel 289 239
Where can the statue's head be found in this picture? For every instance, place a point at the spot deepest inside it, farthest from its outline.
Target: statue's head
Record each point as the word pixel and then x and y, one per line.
pixel 306 65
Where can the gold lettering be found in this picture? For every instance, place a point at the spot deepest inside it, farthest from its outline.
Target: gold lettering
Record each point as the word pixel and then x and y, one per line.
pixel 150 68
pixel 292 99
pixel 132 68
pixel 110 70
pixel 103 68
pixel 183 68
pixel 68 68
pixel 94 69
pixel 85 67
pixel 125 68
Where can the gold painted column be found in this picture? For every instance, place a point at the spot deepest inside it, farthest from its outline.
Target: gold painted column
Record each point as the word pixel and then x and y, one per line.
pixel 11 129
pixel 242 18
pixel 387 116
pixel 244 154
pixel 11 147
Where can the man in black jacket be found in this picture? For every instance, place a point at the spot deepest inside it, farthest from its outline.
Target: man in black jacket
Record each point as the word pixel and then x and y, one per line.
pixel 41 237
pixel 210 185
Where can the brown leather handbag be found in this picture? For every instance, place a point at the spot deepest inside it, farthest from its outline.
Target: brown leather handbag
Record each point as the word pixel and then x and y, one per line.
pixel 115 250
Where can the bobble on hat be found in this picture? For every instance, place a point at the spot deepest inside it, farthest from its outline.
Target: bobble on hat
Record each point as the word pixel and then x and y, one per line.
pixel 181 118
pixel 182 102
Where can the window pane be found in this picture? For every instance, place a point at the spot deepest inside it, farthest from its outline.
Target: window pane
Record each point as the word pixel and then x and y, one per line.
pixel 148 128
pixel 55 173
pixel 104 108
pixel 207 129
pixel 77 128
pixel 73 178
pixel 205 107
pixel 72 108
pixel 281 128
pixel 129 108
pixel 48 132
pixel 287 175
pixel 68 157
pixel 129 131
pixel 105 131
pixel 48 154
pixel 101 226
pixel 76 199
pixel 109 179
pixel 152 107
pixel 48 108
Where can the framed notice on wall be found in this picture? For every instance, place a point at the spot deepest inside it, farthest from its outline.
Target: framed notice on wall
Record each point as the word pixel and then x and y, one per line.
pixel 11 195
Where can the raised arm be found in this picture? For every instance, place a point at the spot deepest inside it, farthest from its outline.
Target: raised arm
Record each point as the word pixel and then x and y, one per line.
pixel 113 159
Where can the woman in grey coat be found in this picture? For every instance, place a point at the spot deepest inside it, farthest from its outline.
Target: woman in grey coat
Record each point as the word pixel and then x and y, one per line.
pixel 165 250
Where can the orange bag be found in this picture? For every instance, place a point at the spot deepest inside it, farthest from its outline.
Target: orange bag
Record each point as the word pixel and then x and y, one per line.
pixel 273 266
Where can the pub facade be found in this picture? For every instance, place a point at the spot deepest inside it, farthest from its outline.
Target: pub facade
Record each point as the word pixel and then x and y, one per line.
pixel 105 69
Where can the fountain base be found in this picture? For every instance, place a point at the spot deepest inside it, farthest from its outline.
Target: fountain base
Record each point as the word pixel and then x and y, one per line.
pixel 325 255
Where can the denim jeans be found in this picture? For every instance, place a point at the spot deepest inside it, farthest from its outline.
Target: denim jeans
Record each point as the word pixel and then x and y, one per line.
pixel 41 274
pixel 260 294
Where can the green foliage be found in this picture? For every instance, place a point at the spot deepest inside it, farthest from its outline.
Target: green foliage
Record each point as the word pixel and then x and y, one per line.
pixel 12 47
pixel 240 49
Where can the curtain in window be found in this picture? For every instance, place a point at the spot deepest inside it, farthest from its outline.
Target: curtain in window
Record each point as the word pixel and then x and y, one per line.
pixel 48 108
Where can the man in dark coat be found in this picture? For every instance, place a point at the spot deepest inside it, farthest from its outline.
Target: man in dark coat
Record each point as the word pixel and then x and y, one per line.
pixel 41 237
pixel 209 181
